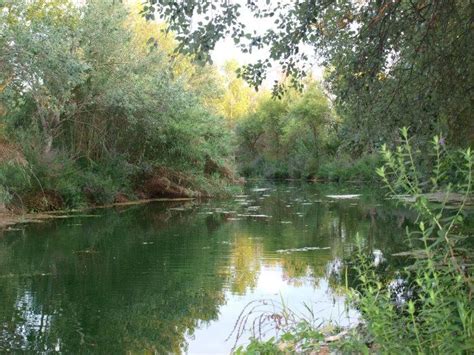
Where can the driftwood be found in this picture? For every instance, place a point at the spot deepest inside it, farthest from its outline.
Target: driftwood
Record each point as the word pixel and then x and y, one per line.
pixel 166 182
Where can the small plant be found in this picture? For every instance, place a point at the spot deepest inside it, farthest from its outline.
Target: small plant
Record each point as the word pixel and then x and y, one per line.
pixel 14 180
pixel 257 346
pixel 5 196
pixel 274 328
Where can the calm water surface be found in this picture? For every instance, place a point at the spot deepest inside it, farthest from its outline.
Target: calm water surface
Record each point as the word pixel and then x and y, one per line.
pixel 175 277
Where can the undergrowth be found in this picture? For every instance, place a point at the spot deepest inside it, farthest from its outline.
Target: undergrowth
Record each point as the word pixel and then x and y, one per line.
pixel 58 182
pixel 345 169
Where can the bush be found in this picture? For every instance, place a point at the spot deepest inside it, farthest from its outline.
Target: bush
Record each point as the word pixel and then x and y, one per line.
pixel 344 169
pixel 15 180
pixel 438 316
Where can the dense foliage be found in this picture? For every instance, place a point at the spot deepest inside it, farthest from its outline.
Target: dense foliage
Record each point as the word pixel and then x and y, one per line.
pixel 430 305
pixel 93 103
pixel 393 63
pixel 287 137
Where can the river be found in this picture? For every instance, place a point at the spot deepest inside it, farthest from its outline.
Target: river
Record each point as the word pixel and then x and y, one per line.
pixel 174 277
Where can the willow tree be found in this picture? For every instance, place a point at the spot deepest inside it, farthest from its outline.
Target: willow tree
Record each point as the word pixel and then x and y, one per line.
pixel 38 62
pixel 90 82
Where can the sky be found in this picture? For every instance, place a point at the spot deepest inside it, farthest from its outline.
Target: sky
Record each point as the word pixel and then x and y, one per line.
pixel 226 49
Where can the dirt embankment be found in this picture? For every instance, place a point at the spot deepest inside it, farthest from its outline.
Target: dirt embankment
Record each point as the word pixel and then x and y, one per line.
pixel 166 182
pixel 160 184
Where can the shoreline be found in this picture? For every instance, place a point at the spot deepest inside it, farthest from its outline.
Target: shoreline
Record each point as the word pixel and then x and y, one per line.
pixel 9 219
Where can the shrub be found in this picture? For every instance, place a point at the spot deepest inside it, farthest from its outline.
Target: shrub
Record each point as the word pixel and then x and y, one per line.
pixel 343 169
pixel 438 316
pixel 15 179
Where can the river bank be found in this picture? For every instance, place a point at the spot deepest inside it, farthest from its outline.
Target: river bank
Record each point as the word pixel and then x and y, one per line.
pixel 9 219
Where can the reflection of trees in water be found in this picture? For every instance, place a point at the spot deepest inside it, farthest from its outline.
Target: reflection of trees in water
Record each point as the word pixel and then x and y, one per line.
pixel 143 278
pixel 294 269
pixel 113 292
pixel 332 225
pixel 245 262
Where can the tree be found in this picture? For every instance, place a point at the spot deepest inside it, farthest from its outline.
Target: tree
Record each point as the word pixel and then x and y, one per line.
pixel 287 137
pixel 96 88
pixel 38 60
pixel 393 63
pixel 312 114
pixel 238 99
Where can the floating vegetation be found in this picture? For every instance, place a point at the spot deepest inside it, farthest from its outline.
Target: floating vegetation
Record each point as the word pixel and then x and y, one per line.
pixel 343 197
pixel 437 197
pixel 177 209
pixel 86 251
pixel 226 212
pixel 296 250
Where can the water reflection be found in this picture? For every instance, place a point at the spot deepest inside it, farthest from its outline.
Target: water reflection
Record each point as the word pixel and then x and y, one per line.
pixel 170 277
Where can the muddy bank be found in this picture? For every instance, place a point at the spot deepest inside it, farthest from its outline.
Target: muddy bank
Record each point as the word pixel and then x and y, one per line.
pixel 9 219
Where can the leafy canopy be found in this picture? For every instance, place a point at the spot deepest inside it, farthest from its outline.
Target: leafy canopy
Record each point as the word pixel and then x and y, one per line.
pixel 392 63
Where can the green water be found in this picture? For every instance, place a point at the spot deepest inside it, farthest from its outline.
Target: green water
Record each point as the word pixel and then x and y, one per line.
pixel 175 277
